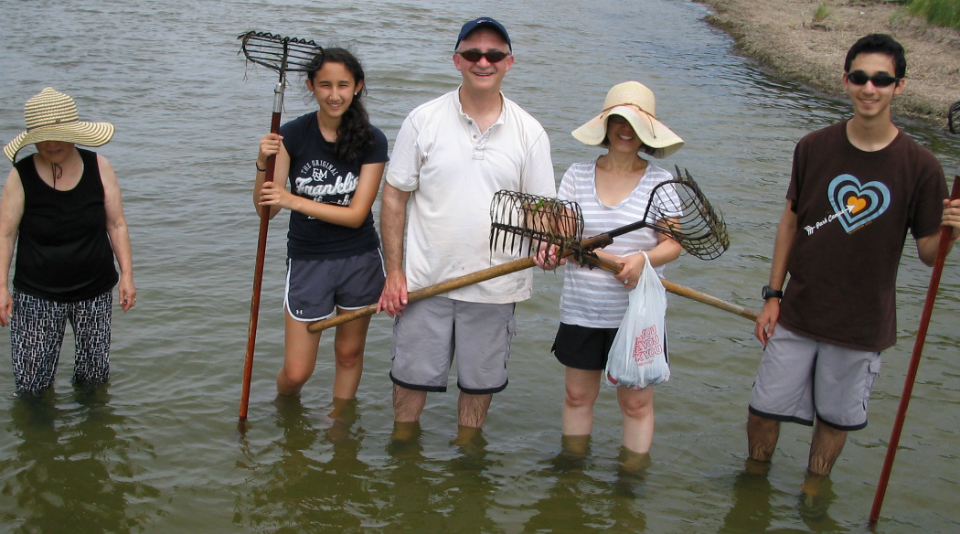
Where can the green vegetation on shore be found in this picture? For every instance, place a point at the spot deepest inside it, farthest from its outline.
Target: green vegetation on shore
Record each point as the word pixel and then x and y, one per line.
pixel 821 13
pixel 944 13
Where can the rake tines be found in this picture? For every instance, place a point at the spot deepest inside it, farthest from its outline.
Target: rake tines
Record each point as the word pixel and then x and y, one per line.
pixel 520 222
pixel 282 54
pixel 677 208
pixel 689 217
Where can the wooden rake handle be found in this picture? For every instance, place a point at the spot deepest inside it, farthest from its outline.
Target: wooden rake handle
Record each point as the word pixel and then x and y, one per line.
pixel 512 267
pixel 430 291
pixel 684 291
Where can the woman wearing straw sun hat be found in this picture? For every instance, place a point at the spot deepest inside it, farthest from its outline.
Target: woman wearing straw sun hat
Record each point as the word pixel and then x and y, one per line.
pixel 62 208
pixel 612 190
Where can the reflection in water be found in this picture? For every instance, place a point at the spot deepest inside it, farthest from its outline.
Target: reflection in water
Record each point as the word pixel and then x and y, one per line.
pixel 578 501
pixel 317 483
pixel 753 512
pixel 71 469
pixel 453 495
pixel 312 485
pixel 815 501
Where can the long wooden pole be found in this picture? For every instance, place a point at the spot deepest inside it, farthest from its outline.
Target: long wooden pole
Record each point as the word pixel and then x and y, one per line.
pixel 258 269
pixel 512 267
pixel 710 300
pixel 430 291
pixel 945 233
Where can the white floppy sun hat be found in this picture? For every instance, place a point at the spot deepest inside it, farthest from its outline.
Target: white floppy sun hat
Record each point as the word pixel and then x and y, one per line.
pixel 52 116
pixel 636 103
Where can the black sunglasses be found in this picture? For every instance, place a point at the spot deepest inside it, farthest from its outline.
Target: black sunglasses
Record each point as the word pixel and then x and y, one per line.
pixel 858 77
pixel 493 56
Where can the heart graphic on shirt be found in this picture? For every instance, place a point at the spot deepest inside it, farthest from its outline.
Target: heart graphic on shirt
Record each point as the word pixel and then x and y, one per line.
pixel 857 204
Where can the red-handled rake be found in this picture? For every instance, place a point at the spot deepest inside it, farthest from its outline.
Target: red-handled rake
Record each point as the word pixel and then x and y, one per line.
pixel 283 55
pixel 932 288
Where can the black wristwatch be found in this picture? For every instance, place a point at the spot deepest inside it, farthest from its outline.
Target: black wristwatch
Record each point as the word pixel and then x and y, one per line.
pixel 769 293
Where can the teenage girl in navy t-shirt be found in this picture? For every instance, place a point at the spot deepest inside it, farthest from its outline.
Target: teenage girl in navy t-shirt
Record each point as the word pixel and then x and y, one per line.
pixel 334 160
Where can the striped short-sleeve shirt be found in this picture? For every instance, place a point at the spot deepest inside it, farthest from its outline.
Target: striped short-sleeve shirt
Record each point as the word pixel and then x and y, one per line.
pixel 593 297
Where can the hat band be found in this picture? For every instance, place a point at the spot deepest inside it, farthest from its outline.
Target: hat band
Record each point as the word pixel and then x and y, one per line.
pixel 650 117
pixel 58 122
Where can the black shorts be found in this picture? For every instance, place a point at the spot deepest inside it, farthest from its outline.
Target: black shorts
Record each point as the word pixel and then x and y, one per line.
pixel 583 347
pixel 315 288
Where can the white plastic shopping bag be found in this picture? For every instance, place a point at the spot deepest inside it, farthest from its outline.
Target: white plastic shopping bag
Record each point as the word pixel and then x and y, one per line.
pixel 638 356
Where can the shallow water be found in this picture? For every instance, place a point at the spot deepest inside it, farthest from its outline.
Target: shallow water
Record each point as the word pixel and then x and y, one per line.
pixel 158 449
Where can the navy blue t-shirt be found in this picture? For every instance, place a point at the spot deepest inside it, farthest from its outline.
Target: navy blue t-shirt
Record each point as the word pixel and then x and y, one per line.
pixel 317 174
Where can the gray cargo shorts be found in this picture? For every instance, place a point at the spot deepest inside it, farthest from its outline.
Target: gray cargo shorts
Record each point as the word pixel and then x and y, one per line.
pixel 431 331
pixel 800 377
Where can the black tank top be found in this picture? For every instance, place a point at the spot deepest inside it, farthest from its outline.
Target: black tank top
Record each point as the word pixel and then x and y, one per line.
pixel 63 251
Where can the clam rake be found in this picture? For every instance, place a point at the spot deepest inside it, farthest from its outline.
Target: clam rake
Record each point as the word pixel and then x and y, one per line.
pixel 283 55
pixel 677 208
pixel 519 222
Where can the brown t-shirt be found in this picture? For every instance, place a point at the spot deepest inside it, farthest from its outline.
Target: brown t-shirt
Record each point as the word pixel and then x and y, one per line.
pixel 853 211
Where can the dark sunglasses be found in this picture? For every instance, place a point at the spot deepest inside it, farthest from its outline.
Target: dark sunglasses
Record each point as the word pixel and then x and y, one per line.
pixel 493 56
pixel 858 77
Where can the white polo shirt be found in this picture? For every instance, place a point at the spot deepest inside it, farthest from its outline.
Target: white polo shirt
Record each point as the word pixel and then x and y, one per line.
pixel 452 171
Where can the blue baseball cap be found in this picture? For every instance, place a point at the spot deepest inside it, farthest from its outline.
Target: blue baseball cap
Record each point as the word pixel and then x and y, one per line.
pixel 482 22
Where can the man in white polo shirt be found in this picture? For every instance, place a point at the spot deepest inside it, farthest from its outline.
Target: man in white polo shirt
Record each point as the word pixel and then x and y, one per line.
pixel 451 155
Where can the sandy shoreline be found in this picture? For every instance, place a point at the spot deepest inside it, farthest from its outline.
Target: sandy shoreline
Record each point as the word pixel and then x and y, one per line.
pixel 782 36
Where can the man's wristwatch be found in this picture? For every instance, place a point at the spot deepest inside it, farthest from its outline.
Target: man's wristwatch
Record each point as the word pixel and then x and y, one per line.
pixel 769 293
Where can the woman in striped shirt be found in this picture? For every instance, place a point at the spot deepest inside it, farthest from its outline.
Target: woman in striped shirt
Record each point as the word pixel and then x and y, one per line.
pixel 612 190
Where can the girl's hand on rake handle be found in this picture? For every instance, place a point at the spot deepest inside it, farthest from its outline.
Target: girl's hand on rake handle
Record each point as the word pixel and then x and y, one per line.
pixel 274 194
pixel 269 146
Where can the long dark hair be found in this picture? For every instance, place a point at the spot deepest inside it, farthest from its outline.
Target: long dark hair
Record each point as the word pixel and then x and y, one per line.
pixel 355 134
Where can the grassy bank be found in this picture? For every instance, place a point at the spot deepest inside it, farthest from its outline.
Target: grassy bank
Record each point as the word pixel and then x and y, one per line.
pixel 944 13
pixel 806 40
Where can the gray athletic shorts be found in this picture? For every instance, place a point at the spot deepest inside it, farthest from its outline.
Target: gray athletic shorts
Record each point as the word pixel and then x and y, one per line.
pixel 800 377
pixel 431 331
pixel 315 288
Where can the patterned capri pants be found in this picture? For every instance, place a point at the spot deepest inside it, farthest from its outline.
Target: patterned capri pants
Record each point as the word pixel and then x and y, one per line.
pixel 36 335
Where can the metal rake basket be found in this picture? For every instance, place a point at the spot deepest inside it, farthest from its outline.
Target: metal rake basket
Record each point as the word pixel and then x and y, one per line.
pixel 520 222
pixel 677 208
pixel 282 54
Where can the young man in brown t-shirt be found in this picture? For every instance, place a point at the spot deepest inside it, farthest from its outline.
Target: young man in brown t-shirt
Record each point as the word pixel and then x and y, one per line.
pixel 857 187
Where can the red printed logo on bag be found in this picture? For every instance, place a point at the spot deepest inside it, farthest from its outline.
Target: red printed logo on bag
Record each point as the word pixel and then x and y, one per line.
pixel 647 345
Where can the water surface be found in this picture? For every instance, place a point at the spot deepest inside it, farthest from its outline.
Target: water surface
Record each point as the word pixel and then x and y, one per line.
pixel 158 450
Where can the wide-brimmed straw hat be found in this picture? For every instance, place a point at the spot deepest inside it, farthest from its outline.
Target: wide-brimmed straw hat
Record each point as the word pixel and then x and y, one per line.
pixel 52 116
pixel 634 102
